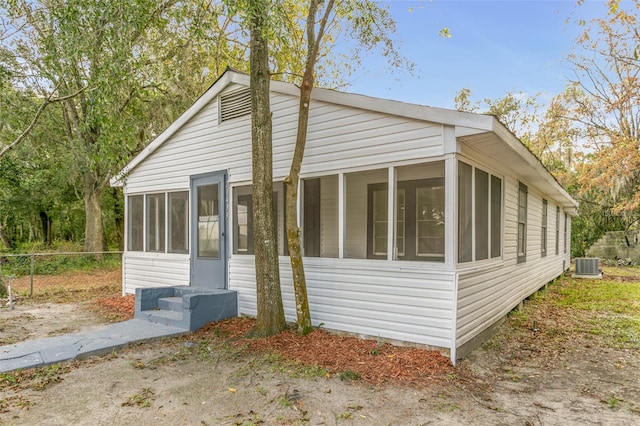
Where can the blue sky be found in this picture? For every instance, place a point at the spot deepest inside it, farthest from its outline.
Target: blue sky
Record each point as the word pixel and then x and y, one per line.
pixel 495 47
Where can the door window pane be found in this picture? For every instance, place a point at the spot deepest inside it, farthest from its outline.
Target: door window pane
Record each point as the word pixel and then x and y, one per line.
pixel 179 222
pixel 208 221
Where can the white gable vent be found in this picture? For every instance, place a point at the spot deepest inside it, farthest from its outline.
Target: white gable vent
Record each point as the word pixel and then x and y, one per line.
pixel 235 104
pixel 587 267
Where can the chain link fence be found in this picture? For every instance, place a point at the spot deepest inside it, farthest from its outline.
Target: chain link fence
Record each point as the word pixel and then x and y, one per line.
pixel 27 269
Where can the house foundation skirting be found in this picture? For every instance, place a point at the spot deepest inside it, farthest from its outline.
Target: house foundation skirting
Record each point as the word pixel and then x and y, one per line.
pixel 477 341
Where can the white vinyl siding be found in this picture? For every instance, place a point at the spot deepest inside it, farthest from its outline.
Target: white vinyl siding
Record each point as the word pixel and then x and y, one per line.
pixel 339 138
pixel 488 293
pixel 486 296
pixel 392 300
pixel 154 270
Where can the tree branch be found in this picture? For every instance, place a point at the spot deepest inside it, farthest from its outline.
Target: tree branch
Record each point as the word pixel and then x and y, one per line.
pixel 31 125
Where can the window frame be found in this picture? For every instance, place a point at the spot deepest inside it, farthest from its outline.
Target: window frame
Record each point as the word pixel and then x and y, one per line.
pixel 279 217
pixel 543 236
pixel 247 201
pixel 481 210
pixel 557 230
pixel 410 238
pixel 164 201
pixel 159 222
pixel 139 244
pixel 372 190
pixel 471 238
pixel 171 196
pixel 565 233
pixel 523 207
pixel 495 215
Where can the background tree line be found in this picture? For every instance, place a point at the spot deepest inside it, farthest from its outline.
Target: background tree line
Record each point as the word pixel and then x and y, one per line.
pixel 104 78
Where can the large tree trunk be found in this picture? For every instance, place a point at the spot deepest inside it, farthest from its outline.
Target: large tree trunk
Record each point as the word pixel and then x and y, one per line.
pixel 270 319
pixel 4 239
pixel 94 239
pixel 46 222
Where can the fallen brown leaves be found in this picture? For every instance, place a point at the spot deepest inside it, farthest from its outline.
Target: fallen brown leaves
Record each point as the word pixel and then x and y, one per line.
pixel 373 362
pixel 622 278
pixel 117 308
pixel 71 287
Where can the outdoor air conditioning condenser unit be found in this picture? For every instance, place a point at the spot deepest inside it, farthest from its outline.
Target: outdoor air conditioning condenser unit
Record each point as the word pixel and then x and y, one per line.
pixel 587 267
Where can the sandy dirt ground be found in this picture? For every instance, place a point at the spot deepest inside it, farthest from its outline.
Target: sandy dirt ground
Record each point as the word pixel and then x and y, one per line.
pixel 514 379
pixel 26 322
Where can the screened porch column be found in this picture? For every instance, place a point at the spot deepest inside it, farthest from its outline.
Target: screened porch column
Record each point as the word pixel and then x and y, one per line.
pixel 391 213
pixel 451 209
pixel 451 149
pixel 341 215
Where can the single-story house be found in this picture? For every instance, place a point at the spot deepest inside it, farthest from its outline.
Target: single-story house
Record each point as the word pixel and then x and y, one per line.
pixel 419 224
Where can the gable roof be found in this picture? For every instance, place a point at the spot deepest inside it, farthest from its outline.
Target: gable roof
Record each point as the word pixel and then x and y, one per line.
pixel 473 129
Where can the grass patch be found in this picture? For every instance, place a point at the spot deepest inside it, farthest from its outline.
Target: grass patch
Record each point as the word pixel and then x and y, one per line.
pixel 57 263
pixel 622 331
pixel 69 287
pixel 349 375
pixel 142 399
pixel 35 379
pixel 606 312
pixel 613 401
pixel 621 271
pixel 518 317
pixel 294 369
pixel 607 308
pixel 601 295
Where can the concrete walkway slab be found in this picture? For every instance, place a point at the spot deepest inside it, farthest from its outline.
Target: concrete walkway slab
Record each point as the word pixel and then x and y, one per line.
pixel 42 352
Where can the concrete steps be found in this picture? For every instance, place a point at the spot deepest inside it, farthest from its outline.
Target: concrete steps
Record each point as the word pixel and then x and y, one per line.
pixel 185 307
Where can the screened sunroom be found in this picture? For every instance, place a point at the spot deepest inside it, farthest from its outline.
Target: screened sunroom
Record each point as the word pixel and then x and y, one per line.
pixel 418 224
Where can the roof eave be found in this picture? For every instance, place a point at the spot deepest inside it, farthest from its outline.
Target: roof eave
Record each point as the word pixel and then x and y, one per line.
pixel 529 161
pixel 211 93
